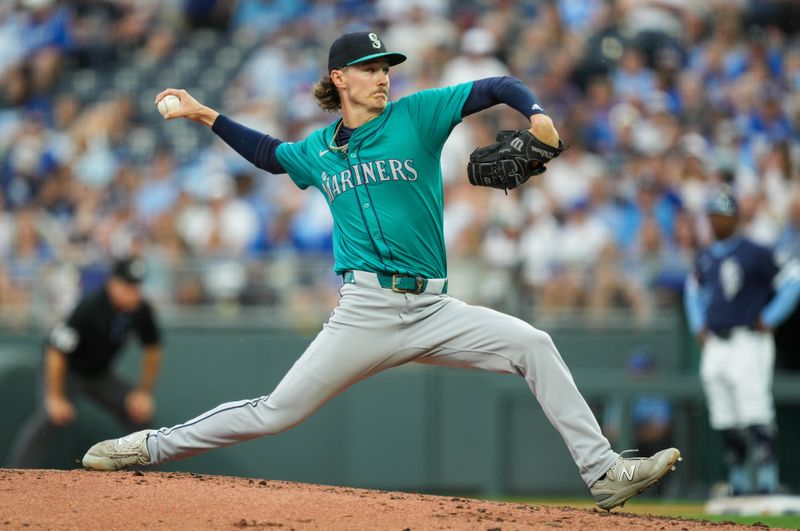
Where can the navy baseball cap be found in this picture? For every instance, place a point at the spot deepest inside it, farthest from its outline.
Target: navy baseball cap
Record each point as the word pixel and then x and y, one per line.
pixel 130 270
pixel 354 48
pixel 723 203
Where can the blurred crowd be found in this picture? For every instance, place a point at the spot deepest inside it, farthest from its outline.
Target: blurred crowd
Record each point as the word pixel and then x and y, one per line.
pixel 659 100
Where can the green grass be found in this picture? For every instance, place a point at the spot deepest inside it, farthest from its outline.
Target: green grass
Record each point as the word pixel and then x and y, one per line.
pixel 774 522
pixel 683 509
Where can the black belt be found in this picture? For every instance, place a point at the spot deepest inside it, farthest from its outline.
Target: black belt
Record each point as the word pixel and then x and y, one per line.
pixel 726 333
pixel 723 333
pixel 396 282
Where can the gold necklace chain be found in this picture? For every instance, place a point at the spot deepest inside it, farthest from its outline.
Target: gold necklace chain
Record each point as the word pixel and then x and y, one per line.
pixel 332 145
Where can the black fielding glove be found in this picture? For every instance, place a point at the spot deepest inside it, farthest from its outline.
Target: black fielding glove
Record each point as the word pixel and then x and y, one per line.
pixel 515 158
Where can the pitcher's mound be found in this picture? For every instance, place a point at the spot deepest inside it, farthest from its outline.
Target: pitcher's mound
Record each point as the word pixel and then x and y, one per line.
pixel 78 499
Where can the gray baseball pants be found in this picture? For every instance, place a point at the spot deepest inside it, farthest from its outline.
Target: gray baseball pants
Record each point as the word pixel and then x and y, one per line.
pixel 373 329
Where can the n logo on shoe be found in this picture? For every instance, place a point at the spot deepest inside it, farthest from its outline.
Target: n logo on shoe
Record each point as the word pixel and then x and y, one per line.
pixel 627 473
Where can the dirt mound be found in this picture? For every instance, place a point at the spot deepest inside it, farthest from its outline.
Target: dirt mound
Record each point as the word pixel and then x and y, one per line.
pixel 78 499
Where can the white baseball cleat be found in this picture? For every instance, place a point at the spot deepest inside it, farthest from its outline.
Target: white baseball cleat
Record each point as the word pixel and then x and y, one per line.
pixel 629 476
pixel 116 454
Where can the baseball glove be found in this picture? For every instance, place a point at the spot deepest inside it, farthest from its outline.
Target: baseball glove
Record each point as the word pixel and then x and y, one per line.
pixel 516 157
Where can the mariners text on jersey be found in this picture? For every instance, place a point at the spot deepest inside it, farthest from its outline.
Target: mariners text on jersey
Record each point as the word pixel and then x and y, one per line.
pixel 365 173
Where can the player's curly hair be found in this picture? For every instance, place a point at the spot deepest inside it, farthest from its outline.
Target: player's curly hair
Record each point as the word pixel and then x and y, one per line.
pixel 327 95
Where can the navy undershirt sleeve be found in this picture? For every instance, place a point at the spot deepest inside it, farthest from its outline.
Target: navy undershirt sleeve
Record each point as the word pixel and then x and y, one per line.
pixel 506 89
pixel 258 148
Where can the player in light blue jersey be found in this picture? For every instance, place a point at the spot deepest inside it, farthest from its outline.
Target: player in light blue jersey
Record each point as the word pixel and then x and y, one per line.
pixel 378 167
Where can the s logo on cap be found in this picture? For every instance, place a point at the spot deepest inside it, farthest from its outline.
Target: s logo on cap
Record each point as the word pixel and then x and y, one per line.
pixel 354 48
pixel 376 43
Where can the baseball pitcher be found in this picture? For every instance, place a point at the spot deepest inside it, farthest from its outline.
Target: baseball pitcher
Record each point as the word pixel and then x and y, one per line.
pixel 378 167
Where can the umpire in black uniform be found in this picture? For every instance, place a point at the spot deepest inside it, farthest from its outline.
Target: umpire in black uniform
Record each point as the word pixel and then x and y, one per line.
pixel 78 358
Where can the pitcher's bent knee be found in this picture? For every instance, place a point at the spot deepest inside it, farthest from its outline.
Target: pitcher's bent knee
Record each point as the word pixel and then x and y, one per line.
pixel 542 339
pixel 539 342
pixel 533 345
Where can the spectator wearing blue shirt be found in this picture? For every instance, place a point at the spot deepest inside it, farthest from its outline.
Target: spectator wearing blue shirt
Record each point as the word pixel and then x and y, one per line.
pixel 47 37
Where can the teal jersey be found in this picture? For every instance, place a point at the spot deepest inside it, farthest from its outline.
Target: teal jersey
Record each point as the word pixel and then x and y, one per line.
pixel 385 193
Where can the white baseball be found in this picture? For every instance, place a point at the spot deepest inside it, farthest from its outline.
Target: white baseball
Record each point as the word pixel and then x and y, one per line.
pixel 168 103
